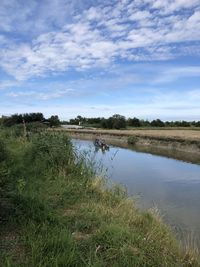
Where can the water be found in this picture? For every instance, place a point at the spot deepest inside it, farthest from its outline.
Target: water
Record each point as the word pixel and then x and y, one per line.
pixel 171 185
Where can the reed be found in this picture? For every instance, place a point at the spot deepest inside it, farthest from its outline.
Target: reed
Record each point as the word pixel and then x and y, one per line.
pixel 57 213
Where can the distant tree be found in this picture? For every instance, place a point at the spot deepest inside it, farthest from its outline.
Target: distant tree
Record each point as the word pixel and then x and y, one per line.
pixel 115 122
pixel 33 117
pixel 119 121
pixel 145 123
pixel 12 120
pixel 157 123
pixel 110 123
pixel 37 117
pixel 27 117
pixel 54 121
pixel 73 122
pixel 197 124
pixel 104 123
pixel 78 120
pixel 135 122
pixel 94 120
pixel 167 123
pixel 185 124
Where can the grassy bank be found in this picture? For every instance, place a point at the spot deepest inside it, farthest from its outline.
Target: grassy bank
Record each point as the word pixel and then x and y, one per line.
pixel 55 212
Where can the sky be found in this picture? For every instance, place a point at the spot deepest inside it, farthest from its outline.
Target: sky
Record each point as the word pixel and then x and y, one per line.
pixel 96 58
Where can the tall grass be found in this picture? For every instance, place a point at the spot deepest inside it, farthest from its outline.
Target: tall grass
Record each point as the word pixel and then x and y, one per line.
pixel 62 215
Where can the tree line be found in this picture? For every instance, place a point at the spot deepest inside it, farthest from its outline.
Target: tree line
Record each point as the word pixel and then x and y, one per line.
pixel 29 118
pixel 116 121
pixel 119 122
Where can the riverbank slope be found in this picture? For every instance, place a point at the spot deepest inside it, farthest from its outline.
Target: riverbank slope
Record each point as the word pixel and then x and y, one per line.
pixel 183 144
pixel 55 212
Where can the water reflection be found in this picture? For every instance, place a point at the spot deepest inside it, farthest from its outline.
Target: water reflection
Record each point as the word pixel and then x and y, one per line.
pixel 171 185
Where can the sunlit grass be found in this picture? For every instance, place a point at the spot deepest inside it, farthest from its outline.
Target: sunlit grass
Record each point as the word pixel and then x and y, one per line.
pixel 60 214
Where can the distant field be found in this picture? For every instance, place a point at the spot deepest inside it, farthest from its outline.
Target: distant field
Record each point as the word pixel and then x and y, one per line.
pixel 181 134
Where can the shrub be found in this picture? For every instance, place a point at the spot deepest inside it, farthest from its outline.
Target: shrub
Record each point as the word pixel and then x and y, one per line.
pixel 132 140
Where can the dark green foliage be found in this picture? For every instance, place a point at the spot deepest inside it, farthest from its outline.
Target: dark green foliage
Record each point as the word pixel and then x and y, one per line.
pixel 105 123
pixel 12 120
pixel 115 122
pixel 120 122
pixel 132 140
pixel 85 121
pixel 19 118
pixel 197 124
pixel 4 170
pixel 3 151
pixel 33 117
pixel 157 123
pixel 36 126
pixel 54 121
pixel 135 122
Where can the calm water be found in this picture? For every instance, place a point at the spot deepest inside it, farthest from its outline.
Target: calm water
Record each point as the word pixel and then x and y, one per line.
pixel 172 186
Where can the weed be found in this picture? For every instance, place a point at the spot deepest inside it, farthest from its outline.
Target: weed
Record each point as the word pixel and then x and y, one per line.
pixel 132 140
pixel 68 217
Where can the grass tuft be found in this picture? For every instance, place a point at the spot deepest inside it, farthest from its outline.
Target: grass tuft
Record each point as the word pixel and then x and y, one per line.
pixel 65 216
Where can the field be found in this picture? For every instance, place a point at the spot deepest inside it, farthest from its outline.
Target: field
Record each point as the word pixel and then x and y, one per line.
pixel 56 212
pixel 176 134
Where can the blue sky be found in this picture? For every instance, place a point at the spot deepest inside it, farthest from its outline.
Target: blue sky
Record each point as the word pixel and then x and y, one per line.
pixel 97 58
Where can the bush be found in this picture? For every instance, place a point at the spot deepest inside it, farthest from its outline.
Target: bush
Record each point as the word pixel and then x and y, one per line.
pixel 132 140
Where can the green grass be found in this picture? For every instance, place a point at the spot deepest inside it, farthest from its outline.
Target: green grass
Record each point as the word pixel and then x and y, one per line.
pixel 132 140
pixel 57 213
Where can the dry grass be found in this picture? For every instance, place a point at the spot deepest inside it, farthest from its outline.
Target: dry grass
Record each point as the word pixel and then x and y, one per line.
pixel 177 134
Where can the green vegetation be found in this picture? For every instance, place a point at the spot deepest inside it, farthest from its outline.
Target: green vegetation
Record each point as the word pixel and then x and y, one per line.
pixel 120 122
pixel 114 122
pixel 55 212
pixel 54 121
pixel 28 118
pixel 132 140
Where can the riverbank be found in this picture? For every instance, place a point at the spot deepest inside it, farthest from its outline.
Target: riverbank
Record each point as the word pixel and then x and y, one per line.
pixel 55 212
pixel 179 144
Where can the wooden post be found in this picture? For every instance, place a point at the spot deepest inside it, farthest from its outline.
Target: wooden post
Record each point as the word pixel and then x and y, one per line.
pixel 25 131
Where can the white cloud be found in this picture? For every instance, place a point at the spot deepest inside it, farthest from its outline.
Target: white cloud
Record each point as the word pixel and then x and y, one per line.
pixel 195 94
pixel 41 95
pixel 164 107
pixel 169 6
pixel 9 84
pixel 175 73
pixel 98 36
